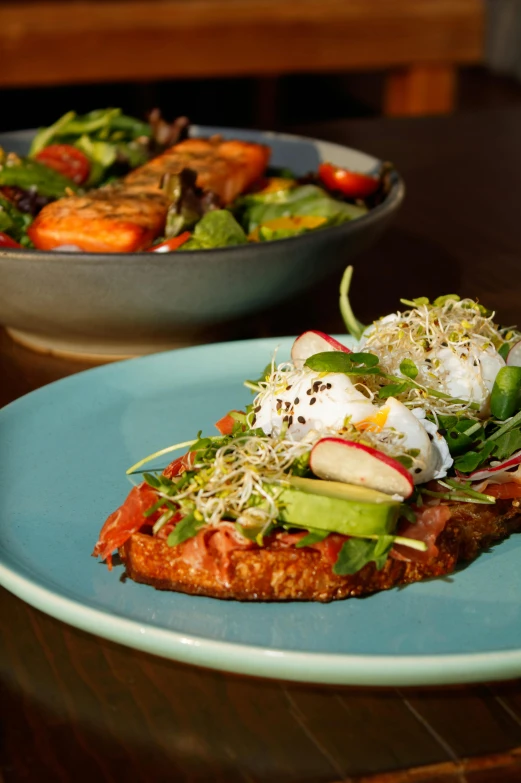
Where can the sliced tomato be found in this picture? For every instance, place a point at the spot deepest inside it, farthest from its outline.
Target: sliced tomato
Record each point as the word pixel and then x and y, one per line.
pixel 67 160
pixel 349 183
pixel 507 491
pixel 171 244
pixel 226 424
pixel 6 241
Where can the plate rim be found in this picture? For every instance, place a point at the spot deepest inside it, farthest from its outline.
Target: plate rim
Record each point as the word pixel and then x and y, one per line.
pixel 249 659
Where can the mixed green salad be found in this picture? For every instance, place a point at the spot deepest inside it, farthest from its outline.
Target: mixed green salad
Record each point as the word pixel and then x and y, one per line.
pixel 79 153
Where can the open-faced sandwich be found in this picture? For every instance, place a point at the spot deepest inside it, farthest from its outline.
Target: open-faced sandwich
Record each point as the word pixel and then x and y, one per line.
pixel 352 471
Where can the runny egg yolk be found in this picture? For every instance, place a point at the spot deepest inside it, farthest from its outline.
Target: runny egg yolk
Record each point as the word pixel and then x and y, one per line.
pixel 374 423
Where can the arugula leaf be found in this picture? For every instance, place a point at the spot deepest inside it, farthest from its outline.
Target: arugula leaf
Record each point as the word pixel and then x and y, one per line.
pixel 313 537
pixel 471 460
pixel 507 444
pixel 357 552
pixel 187 528
pixel 408 368
pixel 460 433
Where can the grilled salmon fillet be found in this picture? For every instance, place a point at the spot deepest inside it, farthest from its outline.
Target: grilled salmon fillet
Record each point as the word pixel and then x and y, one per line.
pixel 128 216
pixel 270 574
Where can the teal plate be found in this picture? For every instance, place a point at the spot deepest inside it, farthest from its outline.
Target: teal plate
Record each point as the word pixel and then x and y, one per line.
pixel 64 452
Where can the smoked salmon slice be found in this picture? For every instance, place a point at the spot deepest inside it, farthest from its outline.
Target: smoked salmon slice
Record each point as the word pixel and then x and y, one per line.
pixel 129 215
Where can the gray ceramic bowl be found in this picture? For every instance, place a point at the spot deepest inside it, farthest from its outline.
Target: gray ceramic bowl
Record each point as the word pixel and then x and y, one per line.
pixel 123 304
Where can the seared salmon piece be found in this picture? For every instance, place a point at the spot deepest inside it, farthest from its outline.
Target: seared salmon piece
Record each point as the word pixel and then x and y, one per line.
pixel 129 216
pixel 225 167
pixel 109 220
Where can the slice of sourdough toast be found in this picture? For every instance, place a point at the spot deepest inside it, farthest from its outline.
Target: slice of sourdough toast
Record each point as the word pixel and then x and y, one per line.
pixel 283 574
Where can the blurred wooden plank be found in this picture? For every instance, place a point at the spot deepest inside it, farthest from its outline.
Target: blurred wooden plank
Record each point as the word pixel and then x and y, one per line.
pixel 447 713
pixel 420 89
pixel 87 41
pixel 504 767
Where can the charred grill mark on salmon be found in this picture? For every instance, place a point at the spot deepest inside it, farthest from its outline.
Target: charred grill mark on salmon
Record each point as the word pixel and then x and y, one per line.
pixel 128 216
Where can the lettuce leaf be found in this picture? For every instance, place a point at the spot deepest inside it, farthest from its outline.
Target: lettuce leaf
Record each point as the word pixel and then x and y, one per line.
pixel 255 209
pixel 217 228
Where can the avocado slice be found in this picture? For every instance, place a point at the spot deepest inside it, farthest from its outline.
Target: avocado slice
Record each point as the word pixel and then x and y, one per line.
pixel 340 489
pixel 338 508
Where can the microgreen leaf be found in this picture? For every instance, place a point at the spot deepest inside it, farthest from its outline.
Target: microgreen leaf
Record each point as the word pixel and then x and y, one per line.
pixel 187 528
pixel 347 363
pixel 312 537
pixel 408 368
pixel 353 325
pixel 254 385
pixel 393 389
pixel 471 460
pixel 357 552
pixel 504 350
pixel 447 298
pixel 152 481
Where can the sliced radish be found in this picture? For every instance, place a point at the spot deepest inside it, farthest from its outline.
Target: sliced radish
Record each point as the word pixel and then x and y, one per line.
pixel 310 343
pixel 514 355
pixel 336 459
pixel 511 462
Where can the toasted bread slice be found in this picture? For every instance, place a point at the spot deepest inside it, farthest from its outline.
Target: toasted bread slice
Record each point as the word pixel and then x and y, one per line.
pixel 268 574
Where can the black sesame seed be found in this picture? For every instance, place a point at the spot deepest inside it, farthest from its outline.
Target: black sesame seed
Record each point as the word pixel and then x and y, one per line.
pixel 316 386
pixel 285 418
pixel 288 387
pixel 257 408
pixel 296 401
pixel 328 385
pixel 323 387
pixel 312 400
pixel 290 420
pixel 417 470
pixel 301 419
pixel 288 405
pixel 254 419
pixel 309 391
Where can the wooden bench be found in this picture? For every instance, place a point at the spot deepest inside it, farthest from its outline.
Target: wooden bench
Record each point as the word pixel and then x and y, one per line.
pixel 419 43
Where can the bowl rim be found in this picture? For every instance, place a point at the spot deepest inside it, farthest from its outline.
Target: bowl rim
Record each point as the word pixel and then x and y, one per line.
pixel 392 201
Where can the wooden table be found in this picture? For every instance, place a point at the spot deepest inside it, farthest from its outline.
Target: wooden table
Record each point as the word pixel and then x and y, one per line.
pixel 419 43
pixel 77 708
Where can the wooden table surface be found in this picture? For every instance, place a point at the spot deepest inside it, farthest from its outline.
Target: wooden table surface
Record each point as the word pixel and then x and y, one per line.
pixel 74 707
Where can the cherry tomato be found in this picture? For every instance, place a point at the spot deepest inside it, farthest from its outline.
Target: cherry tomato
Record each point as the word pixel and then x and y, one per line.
pixel 67 160
pixel 349 183
pixel 171 244
pixel 6 241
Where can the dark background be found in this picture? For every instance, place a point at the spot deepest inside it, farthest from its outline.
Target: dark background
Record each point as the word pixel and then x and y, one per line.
pixel 274 103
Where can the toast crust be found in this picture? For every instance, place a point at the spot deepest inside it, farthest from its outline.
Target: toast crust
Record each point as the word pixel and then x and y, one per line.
pixel 305 575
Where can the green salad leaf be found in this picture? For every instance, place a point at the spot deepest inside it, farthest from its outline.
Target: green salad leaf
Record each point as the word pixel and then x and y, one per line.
pixel 25 173
pixel 306 200
pixel 215 229
pixel 13 222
